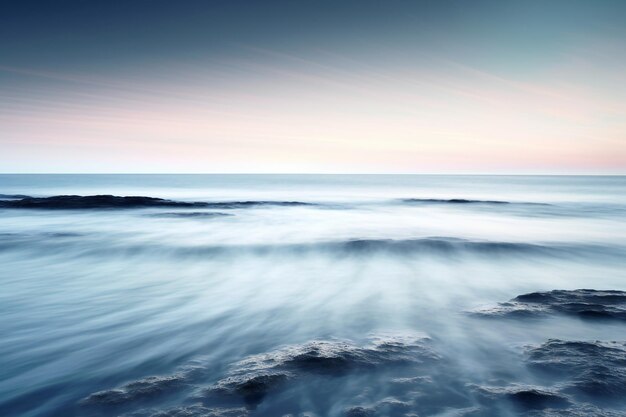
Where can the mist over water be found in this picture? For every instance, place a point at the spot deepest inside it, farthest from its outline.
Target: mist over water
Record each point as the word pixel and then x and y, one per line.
pixel 358 303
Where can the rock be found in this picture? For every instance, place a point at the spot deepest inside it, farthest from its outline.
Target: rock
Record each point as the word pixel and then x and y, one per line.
pixel 389 406
pixel 582 303
pixel 196 410
pixel 136 390
pixel 68 202
pixel 255 376
pixel 522 397
pixel 189 214
pixel 595 371
pixel 12 196
pixel 251 387
pixel 248 204
pixel 359 411
pixel 452 201
pixel 73 202
pixel 584 410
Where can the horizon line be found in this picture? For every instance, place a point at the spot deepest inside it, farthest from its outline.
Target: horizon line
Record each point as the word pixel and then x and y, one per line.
pixel 328 173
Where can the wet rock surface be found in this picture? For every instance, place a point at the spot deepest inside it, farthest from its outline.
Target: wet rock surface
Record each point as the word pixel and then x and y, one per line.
pixel 584 410
pixel 522 398
pixel 390 406
pixel 195 410
pixel 150 387
pixel 61 202
pixel 247 204
pixel 189 214
pixel 255 376
pixel 582 303
pixel 579 411
pixel 392 375
pixel 451 201
pixel 252 388
pixel 137 390
pixel 74 202
pixel 13 196
pixel 593 370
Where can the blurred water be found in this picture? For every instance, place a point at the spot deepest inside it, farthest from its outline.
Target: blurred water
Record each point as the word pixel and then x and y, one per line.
pixel 93 299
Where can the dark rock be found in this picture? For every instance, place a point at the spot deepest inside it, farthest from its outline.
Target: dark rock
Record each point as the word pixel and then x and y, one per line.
pixel 247 204
pixel 12 196
pixel 583 303
pixel 255 376
pixel 359 411
pixel 251 387
pixel 67 202
pixel 137 390
pixel 190 214
pixel 523 397
pixel 196 410
pixel 451 201
pixel 338 357
pixel 584 410
pixel 391 407
pixel 593 370
pixel 61 202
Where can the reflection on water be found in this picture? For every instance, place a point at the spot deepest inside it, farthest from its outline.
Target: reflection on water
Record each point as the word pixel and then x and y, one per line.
pixel 383 296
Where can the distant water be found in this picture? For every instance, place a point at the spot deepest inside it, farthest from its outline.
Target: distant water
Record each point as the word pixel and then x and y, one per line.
pixel 343 295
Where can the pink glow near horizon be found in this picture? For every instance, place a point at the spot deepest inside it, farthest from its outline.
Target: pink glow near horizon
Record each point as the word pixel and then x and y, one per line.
pixel 297 116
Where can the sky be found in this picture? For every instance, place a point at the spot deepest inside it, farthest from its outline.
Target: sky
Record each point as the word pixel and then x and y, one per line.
pixel 313 86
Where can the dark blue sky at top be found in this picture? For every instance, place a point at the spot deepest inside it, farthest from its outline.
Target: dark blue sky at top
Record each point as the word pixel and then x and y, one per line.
pixel 81 35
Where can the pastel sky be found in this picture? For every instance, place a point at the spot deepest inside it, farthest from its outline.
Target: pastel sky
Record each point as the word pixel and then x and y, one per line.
pixel 309 86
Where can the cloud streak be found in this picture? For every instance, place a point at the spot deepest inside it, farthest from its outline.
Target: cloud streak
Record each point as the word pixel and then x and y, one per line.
pixel 386 104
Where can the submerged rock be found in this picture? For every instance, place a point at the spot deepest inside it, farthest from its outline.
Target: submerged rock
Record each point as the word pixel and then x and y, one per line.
pixel 252 388
pixel 583 303
pixel 196 410
pixel 247 204
pixel 13 196
pixel 595 370
pixel 584 410
pixel 252 378
pixel 390 407
pixel 522 397
pixel 190 214
pixel 151 386
pixel 338 357
pixel 452 201
pixel 359 411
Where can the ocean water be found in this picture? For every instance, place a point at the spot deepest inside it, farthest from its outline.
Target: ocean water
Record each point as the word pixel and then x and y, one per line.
pixel 312 295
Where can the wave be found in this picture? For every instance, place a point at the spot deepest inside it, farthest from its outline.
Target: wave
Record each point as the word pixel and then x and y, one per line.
pixel 429 244
pixel 72 202
pixel 87 245
pixel 440 246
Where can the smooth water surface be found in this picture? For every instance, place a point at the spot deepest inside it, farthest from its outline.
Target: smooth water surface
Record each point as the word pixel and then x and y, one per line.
pixel 93 299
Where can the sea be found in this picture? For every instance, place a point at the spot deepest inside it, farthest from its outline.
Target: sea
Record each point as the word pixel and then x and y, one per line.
pixel 312 295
